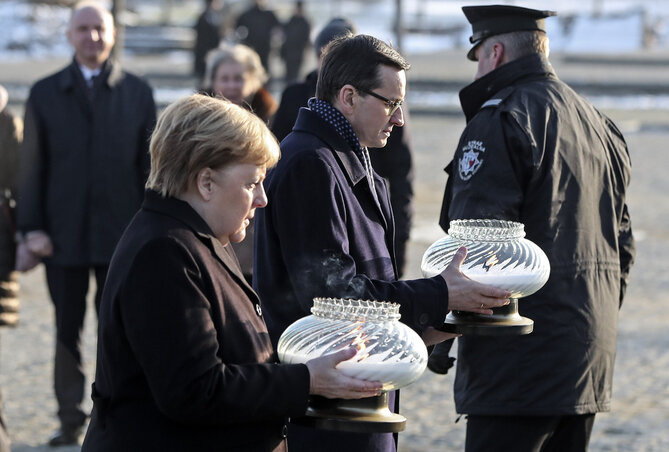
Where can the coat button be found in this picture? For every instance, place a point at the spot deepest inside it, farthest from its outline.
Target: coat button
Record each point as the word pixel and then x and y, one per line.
pixel 423 319
pixel 258 309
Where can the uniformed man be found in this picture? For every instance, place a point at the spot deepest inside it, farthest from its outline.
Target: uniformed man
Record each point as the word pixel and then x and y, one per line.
pixel 535 152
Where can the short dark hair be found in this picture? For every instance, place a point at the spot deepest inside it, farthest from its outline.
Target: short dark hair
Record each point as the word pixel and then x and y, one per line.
pixel 355 60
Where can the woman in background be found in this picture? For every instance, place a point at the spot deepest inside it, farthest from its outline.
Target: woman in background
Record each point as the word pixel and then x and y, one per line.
pixel 236 74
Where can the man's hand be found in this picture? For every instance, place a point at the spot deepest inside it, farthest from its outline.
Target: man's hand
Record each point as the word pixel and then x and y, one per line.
pixel 467 295
pixel 39 243
pixel 432 336
pixel 25 259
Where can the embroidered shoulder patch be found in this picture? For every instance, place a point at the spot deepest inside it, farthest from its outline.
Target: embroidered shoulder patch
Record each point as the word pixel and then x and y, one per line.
pixel 471 159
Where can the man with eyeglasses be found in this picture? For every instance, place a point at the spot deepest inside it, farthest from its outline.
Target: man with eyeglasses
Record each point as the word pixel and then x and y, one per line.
pixel 393 162
pixel 328 228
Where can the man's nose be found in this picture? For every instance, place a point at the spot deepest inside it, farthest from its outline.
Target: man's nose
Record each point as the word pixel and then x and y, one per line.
pixel 397 119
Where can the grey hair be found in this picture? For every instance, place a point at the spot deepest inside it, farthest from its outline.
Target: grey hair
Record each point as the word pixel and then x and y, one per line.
pixel 520 43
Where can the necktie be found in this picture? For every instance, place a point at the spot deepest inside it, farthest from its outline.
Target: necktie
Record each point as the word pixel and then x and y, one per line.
pixel 91 86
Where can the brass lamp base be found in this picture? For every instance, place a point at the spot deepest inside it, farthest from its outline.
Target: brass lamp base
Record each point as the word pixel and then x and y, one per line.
pixel 505 321
pixel 369 415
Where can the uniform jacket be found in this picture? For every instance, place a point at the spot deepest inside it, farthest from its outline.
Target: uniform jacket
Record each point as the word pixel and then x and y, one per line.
pixel 84 162
pixel 323 235
pixel 393 162
pixel 535 152
pixel 184 358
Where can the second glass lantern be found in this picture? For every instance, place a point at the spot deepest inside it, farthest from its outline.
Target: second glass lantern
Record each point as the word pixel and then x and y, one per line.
pixel 497 254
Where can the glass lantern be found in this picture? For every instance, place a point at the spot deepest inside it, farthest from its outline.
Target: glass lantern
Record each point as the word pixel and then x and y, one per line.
pixel 387 351
pixel 498 254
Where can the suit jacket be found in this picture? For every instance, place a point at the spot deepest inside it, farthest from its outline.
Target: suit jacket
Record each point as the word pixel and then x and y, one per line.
pixel 184 358
pixel 84 161
pixel 324 234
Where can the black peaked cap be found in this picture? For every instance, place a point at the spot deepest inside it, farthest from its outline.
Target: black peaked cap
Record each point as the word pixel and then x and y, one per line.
pixel 494 20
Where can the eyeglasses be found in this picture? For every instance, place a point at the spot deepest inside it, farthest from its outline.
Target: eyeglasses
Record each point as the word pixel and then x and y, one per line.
pixel 392 104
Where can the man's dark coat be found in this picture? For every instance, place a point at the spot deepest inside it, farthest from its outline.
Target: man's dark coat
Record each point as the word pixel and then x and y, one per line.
pixel 84 161
pixel 536 152
pixel 393 162
pixel 324 235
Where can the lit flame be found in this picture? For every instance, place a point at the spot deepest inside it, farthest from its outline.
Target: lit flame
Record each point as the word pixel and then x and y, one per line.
pixel 492 260
pixel 360 343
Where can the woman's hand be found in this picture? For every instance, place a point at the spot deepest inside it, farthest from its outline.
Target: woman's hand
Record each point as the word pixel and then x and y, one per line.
pixel 467 295
pixel 328 382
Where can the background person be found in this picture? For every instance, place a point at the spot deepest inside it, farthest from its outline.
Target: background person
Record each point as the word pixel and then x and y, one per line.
pixel 295 41
pixel 394 162
pixel 208 34
pixel 328 228
pixel 11 135
pixel 83 165
pixel 184 357
pixel 257 27
pixel 545 157
pixel 235 72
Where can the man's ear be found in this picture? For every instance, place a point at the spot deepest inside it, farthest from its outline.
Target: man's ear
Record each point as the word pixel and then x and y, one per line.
pixel 346 99
pixel 498 54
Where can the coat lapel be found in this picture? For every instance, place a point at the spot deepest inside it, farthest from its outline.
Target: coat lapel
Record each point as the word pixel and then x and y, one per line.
pixel 351 165
pixel 183 212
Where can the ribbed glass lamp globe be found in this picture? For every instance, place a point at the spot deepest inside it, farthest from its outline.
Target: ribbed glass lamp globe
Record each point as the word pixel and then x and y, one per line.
pixel 497 254
pixel 388 350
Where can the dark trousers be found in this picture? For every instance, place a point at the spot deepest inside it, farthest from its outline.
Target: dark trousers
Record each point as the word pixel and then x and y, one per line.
pixel 68 287
pixel 529 433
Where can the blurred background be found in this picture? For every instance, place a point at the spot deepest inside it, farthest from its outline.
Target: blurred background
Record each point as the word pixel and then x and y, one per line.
pixel 34 30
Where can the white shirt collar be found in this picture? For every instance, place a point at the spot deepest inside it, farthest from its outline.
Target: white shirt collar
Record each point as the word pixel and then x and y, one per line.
pixel 88 73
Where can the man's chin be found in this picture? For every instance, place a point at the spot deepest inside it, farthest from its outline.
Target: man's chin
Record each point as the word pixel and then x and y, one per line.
pixel 238 236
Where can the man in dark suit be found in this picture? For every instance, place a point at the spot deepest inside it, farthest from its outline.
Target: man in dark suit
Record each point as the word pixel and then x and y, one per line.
pixel 394 162
pixel 328 228
pixel 83 166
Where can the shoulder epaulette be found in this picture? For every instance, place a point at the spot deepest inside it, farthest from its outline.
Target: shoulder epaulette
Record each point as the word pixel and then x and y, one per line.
pixel 491 103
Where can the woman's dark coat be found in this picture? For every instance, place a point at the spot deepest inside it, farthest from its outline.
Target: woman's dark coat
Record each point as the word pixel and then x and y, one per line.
pixel 184 358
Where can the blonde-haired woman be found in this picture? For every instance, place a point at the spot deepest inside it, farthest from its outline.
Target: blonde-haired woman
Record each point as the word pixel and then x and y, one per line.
pixel 236 73
pixel 184 358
